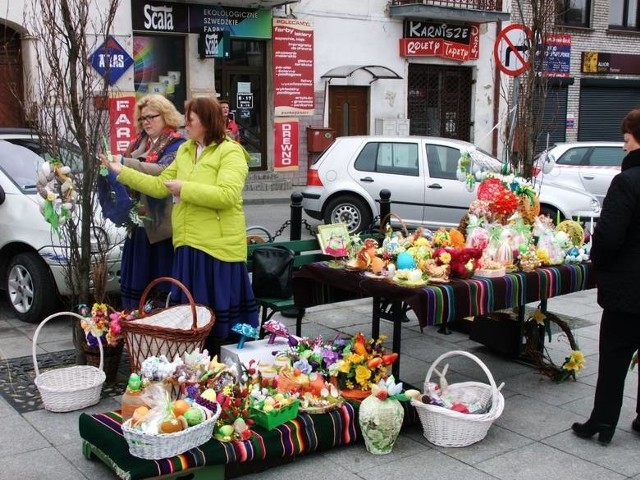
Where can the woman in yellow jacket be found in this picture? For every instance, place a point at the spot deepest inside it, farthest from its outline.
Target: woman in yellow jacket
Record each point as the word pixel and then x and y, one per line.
pixel 209 228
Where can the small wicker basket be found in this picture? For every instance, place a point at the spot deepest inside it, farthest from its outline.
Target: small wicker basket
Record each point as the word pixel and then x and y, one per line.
pixel 172 331
pixel 155 446
pixel 69 388
pixel 449 428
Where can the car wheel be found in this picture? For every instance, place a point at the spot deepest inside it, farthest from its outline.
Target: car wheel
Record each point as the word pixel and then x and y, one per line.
pixel 552 213
pixel 349 210
pixel 30 288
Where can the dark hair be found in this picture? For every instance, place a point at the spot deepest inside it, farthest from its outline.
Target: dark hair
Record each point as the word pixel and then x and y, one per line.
pixel 224 100
pixel 209 112
pixel 631 124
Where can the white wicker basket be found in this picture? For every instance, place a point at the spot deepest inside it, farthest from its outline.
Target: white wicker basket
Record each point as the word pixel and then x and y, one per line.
pixel 154 446
pixel 69 388
pixel 448 428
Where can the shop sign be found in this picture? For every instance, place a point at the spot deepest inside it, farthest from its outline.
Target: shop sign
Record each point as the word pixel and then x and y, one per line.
pixel 171 17
pixel 557 55
pixel 123 126
pixel 430 39
pixel 214 45
pixel 111 60
pixel 293 78
pixel 239 22
pixel 159 16
pixel 244 101
pixel 286 144
pixel 616 63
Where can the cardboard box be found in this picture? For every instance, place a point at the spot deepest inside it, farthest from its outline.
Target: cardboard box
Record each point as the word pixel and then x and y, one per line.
pixel 258 350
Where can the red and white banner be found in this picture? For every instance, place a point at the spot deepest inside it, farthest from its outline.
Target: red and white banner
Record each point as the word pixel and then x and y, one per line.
pixel 122 129
pixel 439 47
pixel 286 144
pixel 293 67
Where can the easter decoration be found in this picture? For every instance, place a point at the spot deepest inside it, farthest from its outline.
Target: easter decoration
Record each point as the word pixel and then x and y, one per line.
pixel 245 331
pixel 58 192
pixel 381 416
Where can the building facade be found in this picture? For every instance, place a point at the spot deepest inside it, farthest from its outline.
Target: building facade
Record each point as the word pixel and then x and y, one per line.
pixel 298 72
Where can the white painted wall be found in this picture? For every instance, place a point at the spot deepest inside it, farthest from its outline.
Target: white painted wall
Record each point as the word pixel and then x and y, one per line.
pixel 360 32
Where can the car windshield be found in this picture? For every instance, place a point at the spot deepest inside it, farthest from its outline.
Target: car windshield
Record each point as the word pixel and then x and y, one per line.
pixel 20 165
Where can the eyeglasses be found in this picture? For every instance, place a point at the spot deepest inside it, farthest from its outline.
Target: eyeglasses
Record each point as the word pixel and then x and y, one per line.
pixel 148 118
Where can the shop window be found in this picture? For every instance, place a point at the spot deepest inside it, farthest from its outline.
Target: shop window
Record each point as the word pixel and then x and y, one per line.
pixel 574 13
pixel 623 14
pixel 160 67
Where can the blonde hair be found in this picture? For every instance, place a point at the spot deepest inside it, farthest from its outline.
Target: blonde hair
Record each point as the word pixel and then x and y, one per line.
pixel 170 115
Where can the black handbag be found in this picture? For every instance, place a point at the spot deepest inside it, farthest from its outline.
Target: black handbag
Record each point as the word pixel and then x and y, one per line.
pixel 272 272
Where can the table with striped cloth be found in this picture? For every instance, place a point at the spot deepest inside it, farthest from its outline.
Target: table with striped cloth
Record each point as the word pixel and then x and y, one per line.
pixel 102 437
pixel 320 283
pixel 435 304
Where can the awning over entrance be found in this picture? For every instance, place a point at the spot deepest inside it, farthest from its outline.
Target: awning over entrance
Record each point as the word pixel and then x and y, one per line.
pixel 376 71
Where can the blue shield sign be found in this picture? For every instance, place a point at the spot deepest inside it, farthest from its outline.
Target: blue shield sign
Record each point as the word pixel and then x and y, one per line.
pixel 111 60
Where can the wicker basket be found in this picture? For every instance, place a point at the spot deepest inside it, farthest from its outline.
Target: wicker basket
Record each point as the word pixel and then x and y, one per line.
pixel 69 388
pixel 172 331
pixel 155 446
pixel 448 428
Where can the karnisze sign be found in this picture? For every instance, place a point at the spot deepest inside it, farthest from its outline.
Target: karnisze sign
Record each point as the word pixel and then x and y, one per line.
pixel 153 16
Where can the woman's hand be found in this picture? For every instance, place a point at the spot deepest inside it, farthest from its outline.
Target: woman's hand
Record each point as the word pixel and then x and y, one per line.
pixel 115 166
pixel 174 186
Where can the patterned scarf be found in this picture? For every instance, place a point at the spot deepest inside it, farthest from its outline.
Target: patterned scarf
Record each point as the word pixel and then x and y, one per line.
pixel 168 136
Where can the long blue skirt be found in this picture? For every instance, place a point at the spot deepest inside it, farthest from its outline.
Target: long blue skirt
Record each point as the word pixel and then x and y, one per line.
pixel 225 287
pixel 141 263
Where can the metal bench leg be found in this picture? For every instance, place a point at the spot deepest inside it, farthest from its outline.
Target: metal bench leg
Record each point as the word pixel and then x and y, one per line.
pixel 301 312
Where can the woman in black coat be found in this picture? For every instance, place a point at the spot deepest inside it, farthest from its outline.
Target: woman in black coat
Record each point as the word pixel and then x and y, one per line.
pixel 615 254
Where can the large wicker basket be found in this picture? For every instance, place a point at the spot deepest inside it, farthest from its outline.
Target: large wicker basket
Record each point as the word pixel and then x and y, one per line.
pixel 449 428
pixel 154 446
pixel 171 331
pixel 69 388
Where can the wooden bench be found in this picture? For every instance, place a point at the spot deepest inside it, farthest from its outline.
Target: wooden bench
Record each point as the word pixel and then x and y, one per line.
pixel 306 251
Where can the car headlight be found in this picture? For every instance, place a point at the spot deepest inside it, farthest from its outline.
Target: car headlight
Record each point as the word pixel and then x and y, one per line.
pixel 595 205
pixel 99 240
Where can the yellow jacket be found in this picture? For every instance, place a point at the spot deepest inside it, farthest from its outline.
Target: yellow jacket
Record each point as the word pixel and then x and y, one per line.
pixel 209 215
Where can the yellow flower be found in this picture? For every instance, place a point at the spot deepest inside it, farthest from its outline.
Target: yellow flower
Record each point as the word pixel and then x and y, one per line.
pixel 543 255
pixel 354 358
pixel 539 317
pixel 575 361
pixel 445 258
pixel 344 366
pixel 421 242
pixel 363 374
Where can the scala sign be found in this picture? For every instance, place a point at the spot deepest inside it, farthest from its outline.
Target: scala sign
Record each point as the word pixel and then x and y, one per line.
pixel 111 60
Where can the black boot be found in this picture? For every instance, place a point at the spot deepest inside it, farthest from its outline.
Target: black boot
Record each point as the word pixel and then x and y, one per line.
pixel 589 428
pixel 635 425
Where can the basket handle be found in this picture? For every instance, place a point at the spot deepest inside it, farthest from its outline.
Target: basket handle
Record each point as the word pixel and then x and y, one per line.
pixel 192 303
pixel 454 353
pixel 35 338
pixel 387 218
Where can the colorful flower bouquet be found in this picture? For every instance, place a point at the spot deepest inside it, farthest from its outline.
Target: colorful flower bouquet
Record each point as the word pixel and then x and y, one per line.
pixel 102 326
pixel 363 363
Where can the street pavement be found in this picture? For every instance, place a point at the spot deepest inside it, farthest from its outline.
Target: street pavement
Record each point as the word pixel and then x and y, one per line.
pixel 531 439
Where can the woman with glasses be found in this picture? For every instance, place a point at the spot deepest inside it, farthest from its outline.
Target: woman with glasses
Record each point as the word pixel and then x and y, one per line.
pixel 148 250
pixel 209 228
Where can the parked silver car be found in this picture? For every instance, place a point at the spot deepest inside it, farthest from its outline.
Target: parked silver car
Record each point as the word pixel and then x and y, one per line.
pixel 344 183
pixel 588 165
pixel 32 257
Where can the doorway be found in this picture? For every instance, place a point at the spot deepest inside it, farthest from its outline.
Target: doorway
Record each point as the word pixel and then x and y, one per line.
pixel 241 80
pixel 349 110
pixel 11 87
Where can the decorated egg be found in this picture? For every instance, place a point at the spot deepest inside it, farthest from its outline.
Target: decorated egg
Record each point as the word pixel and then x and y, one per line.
pixel 377 264
pixel 523 247
pixel 405 261
pixel 226 430
pixel 194 416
